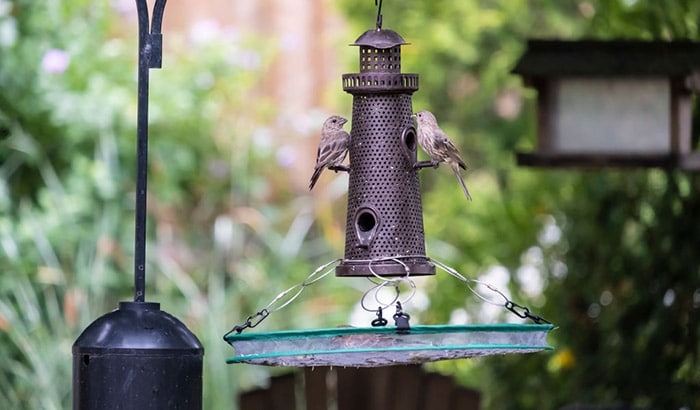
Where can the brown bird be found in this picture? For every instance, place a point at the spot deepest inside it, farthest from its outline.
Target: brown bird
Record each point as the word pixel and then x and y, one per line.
pixel 332 149
pixel 438 146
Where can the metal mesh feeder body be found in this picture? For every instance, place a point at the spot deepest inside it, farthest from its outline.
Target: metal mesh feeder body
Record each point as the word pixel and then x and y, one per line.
pixel 384 212
pixel 383 346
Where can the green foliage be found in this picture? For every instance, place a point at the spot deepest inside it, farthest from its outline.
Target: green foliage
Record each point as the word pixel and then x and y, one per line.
pixel 67 165
pixel 614 251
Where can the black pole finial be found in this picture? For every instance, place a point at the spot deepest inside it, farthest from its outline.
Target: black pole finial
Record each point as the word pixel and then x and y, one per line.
pixel 150 56
pixel 379 13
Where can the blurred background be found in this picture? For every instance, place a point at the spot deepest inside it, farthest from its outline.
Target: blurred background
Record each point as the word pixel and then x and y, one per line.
pixel 612 257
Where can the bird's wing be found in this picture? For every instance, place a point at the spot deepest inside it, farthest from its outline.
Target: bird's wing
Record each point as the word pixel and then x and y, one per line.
pixel 442 143
pixel 333 150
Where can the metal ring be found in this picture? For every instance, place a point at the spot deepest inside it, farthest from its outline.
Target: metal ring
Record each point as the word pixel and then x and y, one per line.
pixel 376 289
pixel 389 258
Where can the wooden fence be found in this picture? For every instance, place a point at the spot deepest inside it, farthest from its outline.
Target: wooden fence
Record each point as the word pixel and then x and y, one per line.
pixel 378 388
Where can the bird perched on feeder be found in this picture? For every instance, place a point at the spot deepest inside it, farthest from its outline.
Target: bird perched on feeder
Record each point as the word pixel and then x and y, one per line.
pixel 332 149
pixel 438 146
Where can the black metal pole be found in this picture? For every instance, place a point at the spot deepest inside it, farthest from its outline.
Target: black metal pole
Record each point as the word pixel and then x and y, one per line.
pixel 138 356
pixel 150 56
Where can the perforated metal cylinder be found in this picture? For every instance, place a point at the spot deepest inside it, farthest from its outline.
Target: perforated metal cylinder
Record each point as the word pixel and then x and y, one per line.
pixel 384 228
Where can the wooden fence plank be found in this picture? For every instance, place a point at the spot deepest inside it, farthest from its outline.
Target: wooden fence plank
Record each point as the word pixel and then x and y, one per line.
pixel 380 388
pixel 353 388
pixel 282 392
pixel 466 399
pixel 407 382
pixel 438 392
pixel 316 388
pixel 254 400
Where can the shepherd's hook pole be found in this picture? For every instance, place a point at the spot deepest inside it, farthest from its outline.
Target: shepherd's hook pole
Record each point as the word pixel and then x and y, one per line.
pixel 150 56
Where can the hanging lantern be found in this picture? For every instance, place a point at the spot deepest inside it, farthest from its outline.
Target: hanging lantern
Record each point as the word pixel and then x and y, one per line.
pixel 619 103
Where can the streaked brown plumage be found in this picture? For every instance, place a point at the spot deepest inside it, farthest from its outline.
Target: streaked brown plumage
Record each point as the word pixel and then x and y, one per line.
pixel 438 146
pixel 333 147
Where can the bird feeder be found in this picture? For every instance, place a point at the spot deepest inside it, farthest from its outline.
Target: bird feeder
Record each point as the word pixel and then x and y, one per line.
pixel 612 103
pixel 384 212
pixel 384 242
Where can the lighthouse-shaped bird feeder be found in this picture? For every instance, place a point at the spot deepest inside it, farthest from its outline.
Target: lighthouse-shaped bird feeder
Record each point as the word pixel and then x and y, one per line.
pixel 384 213
pixel 384 242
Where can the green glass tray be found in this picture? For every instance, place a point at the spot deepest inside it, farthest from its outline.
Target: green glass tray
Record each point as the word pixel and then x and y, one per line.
pixel 384 346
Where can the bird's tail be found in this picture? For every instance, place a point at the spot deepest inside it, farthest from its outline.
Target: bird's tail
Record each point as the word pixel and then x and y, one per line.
pixel 314 177
pixel 455 167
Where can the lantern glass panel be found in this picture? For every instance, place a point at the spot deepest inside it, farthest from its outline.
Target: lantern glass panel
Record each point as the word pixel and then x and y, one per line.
pixel 612 115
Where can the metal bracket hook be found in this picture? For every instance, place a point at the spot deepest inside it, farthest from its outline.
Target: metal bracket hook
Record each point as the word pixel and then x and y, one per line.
pixel 379 13
pixel 150 37
pixel 150 56
pixel 379 321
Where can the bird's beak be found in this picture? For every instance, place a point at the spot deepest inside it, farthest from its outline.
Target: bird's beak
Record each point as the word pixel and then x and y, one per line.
pixel 413 116
pixel 343 121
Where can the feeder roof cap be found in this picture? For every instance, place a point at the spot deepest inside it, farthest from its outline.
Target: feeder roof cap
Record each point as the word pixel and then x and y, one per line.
pixel 379 38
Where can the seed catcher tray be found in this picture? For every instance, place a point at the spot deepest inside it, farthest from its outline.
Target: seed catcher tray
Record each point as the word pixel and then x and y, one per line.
pixel 385 346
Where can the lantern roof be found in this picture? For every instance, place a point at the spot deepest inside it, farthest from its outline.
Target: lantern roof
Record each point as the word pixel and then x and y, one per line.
pixel 551 58
pixel 380 38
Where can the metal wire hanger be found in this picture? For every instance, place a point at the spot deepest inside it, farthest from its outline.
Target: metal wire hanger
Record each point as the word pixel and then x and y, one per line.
pixel 379 13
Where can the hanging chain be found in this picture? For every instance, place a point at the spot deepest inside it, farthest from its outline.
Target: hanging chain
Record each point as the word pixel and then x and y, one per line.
pixel 517 309
pixel 250 322
pixel 524 312
pixel 284 298
pixel 287 296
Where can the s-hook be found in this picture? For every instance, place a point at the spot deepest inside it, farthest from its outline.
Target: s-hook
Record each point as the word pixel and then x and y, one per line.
pixel 379 13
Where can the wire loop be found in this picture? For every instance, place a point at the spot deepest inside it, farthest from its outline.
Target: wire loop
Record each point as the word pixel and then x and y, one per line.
pixel 379 13
pixel 395 282
pixel 275 304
